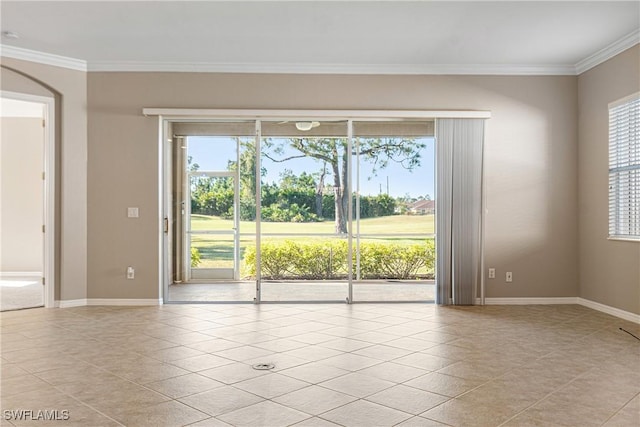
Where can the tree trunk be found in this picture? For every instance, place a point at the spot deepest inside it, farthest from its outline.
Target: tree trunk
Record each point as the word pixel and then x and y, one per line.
pixel 319 191
pixel 345 188
pixel 341 224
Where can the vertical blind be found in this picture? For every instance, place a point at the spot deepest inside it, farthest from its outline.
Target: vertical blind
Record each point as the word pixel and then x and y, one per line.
pixel 624 168
pixel 459 161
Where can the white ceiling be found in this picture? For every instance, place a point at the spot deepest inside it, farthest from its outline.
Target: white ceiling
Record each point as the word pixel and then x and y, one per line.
pixel 549 37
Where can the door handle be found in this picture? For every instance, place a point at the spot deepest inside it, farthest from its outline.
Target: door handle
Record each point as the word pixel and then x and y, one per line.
pixel 166 225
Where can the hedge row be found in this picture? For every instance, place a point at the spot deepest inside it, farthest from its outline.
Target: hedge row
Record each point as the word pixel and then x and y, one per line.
pixel 327 259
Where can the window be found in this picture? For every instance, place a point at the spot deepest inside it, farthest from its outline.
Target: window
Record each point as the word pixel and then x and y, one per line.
pixel 624 168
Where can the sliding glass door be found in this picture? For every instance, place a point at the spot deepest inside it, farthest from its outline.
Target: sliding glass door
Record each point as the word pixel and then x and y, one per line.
pixel 301 211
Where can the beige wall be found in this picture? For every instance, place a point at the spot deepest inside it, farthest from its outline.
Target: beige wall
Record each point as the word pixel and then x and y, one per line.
pixel 21 203
pixel 69 88
pixel 609 270
pixel 531 163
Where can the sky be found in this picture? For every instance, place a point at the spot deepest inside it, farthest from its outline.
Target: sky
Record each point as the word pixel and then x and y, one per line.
pixel 213 154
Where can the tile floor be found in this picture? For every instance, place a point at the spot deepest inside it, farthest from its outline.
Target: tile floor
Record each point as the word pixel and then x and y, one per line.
pixel 351 365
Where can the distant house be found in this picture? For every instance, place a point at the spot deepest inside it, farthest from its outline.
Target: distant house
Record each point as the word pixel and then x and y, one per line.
pixel 422 207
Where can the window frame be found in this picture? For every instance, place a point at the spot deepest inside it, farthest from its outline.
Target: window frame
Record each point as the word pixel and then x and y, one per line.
pixel 626 144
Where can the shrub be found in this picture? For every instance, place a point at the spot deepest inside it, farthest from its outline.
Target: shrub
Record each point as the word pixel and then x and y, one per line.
pixel 327 259
pixel 195 257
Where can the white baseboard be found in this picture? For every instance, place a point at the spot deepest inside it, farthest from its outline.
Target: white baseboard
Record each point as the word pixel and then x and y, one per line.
pixel 529 301
pixel 107 301
pixel 71 303
pixel 127 302
pixel 21 274
pixel 626 315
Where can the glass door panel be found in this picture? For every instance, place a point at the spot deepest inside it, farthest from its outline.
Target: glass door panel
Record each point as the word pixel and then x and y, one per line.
pixel 213 189
pixel 394 241
pixel 212 233
pixel 304 215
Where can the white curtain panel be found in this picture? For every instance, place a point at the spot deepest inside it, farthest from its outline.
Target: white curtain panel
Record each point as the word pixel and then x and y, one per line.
pixel 459 162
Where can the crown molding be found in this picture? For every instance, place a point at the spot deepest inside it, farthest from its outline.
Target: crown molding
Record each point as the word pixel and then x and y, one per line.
pixel 289 68
pixel 42 58
pixel 608 52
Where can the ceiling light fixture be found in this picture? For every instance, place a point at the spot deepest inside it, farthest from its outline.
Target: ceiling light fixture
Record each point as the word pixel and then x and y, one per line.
pixel 306 126
pixel 10 35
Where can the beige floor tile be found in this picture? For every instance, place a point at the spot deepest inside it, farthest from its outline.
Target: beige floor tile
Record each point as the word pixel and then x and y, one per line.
pixel 456 412
pixel 424 361
pixel 350 362
pixel 566 411
pixel 375 337
pixel 314 352
pixel 281 361
pixel 184 385
pixel 71 414
pixel 313 338
pixel 393 372
pixel 110 394
pixel 173 353
pixel 210 422
pixel 382 352
pixel 142 373
pixel 345 344
pixel 10 370
pixel 233 373
pixel 407 399
pixel 214 345
pixel 169 414
pixel 264 414
pixel 271 385
pixel 315 422
pixel 410 344
pixel 314 400
pixel 20 384
pixel 314 372
pixel 526 420
pixel 474 370
pixel 518 365
pixel 221 400
pixel 357 385
pixel 243 353
pixel 201 362
pixel 68 375
pixel 420 422
pixel 365 414
pixel 280 345
pixel 629 415
pixel 445 385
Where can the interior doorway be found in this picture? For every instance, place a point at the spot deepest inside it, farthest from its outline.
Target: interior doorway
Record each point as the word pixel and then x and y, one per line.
pixel 26 156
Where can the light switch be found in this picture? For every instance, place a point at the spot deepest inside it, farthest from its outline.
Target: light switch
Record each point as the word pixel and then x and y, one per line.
pixel 132 212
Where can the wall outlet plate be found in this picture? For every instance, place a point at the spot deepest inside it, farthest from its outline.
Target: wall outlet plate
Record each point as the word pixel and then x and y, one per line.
pixel 492 273
pixel 509 276
pixel 132 212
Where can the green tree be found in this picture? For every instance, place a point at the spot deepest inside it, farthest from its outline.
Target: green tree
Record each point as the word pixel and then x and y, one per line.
pixel 334 153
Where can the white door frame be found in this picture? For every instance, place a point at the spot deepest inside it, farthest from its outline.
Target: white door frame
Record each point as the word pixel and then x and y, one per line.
pixel 213 273
pixel 49 178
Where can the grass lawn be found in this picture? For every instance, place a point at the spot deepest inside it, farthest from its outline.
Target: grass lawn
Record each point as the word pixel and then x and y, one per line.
pixel 217 250
pixel 419 224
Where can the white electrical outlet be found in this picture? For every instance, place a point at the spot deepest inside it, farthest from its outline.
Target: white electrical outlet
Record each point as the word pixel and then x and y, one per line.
pixel 131 273
pixel 509 277
pixel 492 273
pixel 132 212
